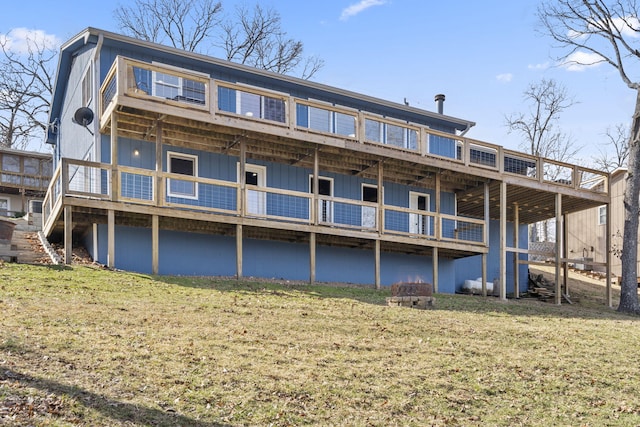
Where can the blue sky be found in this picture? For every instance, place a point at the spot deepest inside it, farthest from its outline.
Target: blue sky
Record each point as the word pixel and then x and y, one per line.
pixel 481 55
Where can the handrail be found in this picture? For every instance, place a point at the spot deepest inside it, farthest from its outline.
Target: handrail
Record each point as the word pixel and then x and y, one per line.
pixel 303 205
pixel 459 149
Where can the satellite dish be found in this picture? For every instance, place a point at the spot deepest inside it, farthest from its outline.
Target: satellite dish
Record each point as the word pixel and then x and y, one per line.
pixel 83 116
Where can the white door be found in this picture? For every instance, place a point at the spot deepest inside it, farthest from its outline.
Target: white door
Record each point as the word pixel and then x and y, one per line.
pixel 256 199
pixel 369 194
pixel 325 207
pixel 418 224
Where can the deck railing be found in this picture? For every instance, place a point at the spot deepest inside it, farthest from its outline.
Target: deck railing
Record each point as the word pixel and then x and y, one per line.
pixel 190 90
pixel 93 180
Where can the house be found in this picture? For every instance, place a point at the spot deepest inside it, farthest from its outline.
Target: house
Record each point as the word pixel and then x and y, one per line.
pixel 171 162
pixel 24 178
pixel 594 231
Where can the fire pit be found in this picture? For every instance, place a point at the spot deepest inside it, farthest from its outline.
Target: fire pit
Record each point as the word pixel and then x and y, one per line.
pixel 415 295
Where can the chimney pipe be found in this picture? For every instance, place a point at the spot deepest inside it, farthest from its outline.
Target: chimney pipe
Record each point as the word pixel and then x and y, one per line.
pixel 439 102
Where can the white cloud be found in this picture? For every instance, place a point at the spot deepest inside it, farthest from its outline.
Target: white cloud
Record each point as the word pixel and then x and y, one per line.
pixel 628 27
pixel 504 77
pixel 542 66
pixel 356 8
pixel 580 61
pixel 18 40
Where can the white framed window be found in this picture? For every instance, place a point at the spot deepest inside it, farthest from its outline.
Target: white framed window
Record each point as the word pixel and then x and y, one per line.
pixel 602 215
pixel 183 164
pixel 35 206
pixel 177 88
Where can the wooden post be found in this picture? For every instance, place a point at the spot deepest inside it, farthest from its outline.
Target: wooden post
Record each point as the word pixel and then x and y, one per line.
pixel 239 251
pixel 68 234
pixel 380 199
pixel 377 263
pixel 487 219
pixel 565 251
pixel 607 254
pixel 159 188
pixel 438 219
pixel 516 255
pixel 242 178
pixel 558 248
pixel 155 244
pixel 312 258
pixel 115 186
pixel 503 241
pixel 111 238
pixel 96 255
pixel 436 272
pixel 315 214
pixel 484 275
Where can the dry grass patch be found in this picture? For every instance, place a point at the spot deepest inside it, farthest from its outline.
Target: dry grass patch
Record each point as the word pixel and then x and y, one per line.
pixel 85 346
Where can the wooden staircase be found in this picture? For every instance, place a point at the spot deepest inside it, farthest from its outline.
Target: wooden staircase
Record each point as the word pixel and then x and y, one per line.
pixel 25 247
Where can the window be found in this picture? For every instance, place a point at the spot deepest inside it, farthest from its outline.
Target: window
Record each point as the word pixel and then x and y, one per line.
pixel 602 215
pixel 387 133
pixel 178 88
pixel 251 104
pixel 35 206
pixel 87 86
pixel 183 164
pixel 324 120
pixel 10 163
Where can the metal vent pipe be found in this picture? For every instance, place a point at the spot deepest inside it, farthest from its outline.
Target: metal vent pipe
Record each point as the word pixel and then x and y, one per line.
pixel 439 102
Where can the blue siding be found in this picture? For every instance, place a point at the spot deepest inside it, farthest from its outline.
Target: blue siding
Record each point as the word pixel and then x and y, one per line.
pixel 471 268
pixel 279 260
pixel 180 253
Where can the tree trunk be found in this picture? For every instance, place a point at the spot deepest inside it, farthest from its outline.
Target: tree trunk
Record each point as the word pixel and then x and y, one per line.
pixel 629 257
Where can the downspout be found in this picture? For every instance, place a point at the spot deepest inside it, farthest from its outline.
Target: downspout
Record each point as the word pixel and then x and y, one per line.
pixel 465 130
pixel 96 95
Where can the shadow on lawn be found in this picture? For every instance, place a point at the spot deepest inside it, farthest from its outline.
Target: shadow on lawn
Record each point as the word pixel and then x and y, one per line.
pixel 361 293
pixel 113 409
pixel 368 295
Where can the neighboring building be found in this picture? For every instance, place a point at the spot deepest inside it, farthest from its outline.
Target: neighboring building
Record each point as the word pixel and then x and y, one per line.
pixel 587 230
pixel 198 166
pixel 24 178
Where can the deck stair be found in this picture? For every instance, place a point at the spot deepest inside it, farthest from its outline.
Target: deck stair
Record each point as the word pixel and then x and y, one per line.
pixel 26 246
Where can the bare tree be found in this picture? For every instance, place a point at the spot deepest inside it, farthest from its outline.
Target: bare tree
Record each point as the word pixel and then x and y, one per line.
pixel 618 139
pixel 593 32
pixel 182 24
pixel 540 134
pixel 26 85
pixel 250 36
pixel 255 38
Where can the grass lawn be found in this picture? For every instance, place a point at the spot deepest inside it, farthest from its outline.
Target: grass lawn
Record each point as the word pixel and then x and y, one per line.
pixel 86 346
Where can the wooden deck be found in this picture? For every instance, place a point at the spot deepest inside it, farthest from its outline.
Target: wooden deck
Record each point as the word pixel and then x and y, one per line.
pixel 490 182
